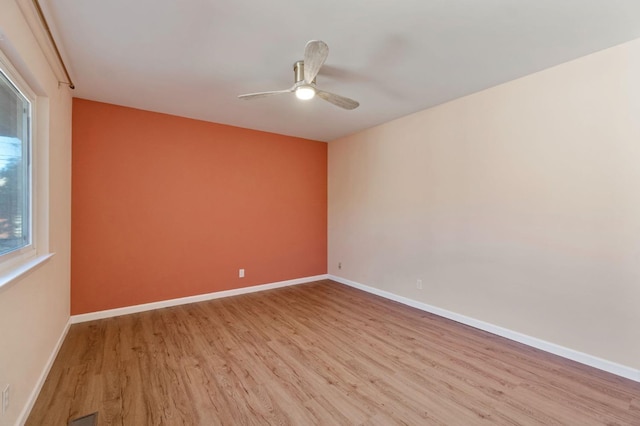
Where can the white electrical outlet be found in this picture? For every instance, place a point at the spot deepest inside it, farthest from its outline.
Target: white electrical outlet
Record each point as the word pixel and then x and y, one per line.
pixel 419 284
pixel 5 398
pixel 241 273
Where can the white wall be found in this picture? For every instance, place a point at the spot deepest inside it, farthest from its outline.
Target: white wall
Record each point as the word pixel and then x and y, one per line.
pixel 518 205
pixel 34 310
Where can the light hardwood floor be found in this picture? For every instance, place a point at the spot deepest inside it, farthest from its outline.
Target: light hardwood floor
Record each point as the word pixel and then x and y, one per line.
pixel 318 353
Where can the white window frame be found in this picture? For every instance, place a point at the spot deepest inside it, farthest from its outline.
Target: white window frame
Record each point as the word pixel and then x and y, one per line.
pixel 18 262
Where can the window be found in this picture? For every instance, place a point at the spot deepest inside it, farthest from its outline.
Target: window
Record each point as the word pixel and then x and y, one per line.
pixel 15 168
pixel 24 195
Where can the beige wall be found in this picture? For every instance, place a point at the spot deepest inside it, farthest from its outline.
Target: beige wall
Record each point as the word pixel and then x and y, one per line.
pixel 34 310
pixel 518 205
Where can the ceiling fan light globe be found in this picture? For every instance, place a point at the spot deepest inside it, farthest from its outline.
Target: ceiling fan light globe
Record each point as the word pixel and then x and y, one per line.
pixel 305 93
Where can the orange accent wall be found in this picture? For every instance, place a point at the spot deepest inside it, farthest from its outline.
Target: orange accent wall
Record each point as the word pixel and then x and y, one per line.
pixel 166 207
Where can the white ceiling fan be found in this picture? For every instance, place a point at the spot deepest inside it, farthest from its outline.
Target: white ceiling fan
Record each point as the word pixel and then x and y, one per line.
pixel 315 53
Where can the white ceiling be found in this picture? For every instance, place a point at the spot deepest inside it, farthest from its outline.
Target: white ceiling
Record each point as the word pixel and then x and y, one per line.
pixel 192 58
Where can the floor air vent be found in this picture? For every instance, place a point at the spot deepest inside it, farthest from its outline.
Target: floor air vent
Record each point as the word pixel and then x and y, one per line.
pixel 88 420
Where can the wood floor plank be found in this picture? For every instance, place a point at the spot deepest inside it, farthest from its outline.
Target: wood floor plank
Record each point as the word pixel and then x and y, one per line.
pixel 322 354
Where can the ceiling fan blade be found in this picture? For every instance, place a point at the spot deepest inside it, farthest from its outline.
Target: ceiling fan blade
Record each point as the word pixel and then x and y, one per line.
pixel 315 53
pixel 264 94
pixel 337 100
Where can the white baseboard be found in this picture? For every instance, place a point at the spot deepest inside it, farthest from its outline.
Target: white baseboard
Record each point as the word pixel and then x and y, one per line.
pixel 581 357
pixel 75 319
pixel 22 418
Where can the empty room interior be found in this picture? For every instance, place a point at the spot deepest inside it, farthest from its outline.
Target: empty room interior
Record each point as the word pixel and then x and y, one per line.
pixel 334 212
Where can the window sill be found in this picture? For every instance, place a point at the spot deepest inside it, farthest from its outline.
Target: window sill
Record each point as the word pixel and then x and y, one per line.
pixel 10 275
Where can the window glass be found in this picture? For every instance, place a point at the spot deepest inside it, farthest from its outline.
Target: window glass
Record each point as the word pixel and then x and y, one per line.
pixel 15 182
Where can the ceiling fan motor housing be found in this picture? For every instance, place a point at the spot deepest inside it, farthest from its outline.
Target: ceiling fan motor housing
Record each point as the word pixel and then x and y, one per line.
pixel 298 69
